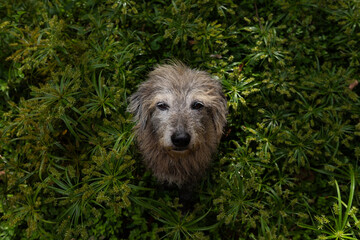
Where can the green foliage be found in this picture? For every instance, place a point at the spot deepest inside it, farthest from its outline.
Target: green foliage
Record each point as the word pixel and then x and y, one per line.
pixel 176 225
pixel 69 168
pixel 343 227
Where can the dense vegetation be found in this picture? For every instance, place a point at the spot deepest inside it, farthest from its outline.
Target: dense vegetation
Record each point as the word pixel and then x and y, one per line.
pixel 288 164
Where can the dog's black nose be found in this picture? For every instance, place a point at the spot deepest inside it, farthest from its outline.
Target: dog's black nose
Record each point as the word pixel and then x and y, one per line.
pixel 180 139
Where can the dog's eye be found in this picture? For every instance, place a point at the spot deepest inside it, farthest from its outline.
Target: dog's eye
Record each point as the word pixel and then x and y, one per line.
pixel 197 105
pixel 162 106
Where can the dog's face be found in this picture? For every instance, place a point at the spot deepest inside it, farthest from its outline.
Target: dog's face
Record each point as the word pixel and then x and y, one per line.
pixel 181 107
pixel 180 121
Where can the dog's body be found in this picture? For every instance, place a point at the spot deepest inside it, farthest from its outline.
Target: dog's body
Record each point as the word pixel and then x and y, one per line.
pixel 180 114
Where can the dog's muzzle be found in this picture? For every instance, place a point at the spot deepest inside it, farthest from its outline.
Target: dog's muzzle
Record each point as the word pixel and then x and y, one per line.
pixel 180 140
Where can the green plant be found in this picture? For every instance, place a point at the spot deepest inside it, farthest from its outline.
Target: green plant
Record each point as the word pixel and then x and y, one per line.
pixel 176 224
pixel 289 71
pixel 340 225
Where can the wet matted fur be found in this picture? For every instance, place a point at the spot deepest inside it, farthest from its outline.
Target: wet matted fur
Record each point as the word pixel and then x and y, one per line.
pixel 180 114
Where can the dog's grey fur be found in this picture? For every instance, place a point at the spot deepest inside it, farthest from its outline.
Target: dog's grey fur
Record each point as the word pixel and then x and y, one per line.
pixel 164 106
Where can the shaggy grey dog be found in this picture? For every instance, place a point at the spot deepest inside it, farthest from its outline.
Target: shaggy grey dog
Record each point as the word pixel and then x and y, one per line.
pixel 180 114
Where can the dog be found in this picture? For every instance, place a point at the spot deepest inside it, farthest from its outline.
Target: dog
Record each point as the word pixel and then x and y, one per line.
pixel 179 116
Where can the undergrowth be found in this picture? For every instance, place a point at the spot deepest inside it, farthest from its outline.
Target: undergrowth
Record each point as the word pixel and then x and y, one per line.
pixel 288 163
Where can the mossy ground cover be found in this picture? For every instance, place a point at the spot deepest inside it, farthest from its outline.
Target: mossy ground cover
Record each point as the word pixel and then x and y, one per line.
pixel 288 164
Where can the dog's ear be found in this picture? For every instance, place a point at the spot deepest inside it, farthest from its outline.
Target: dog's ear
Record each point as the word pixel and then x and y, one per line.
pixel 136 107
pixel 219 112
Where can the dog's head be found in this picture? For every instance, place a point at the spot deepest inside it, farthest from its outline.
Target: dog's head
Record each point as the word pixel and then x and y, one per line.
pixel 181 107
